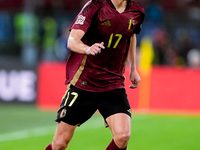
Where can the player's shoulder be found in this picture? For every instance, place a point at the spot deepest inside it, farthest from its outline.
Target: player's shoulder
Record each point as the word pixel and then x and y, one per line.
pixel 136 5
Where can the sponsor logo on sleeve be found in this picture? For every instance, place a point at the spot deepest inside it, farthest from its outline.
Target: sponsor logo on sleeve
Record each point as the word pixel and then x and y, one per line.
pixel 80 20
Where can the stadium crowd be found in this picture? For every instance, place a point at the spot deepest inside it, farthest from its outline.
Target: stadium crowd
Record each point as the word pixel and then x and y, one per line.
pixel 31 31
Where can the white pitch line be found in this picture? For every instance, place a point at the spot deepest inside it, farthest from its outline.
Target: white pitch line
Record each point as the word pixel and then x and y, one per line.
pixel 93 123
pixel 23 134
pixel 43 131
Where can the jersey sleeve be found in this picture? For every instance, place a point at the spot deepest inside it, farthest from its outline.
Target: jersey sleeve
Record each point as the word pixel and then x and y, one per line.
pixel 138 27
pixel 84 18
pixel 141 10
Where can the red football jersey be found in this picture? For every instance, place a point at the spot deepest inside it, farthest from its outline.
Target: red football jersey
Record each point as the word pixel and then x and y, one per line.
pixel 101 22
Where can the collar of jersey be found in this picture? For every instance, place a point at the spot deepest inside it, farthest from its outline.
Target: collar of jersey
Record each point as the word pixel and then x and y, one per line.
pixel 112 5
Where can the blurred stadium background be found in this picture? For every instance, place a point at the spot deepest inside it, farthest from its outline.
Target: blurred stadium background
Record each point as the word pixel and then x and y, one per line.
pixel 166 106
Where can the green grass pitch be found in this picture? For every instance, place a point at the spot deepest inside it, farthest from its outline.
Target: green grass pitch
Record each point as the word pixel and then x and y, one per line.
pixel 24 127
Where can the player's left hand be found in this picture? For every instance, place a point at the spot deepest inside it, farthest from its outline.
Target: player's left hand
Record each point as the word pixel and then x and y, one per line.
pixel 135 79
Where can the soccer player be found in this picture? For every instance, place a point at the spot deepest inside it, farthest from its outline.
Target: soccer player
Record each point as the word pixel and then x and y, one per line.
pixel 102 38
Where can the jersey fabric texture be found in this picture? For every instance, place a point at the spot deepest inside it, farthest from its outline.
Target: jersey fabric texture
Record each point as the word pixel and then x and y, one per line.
pixel 101 22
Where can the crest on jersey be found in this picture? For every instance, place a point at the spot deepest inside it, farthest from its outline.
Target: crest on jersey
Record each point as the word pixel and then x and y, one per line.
pixel 63 113
pixel 80 20
pixel 131 23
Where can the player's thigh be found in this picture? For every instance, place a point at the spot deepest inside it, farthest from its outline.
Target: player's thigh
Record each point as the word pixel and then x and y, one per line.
pixel 120 124
pixel 63 135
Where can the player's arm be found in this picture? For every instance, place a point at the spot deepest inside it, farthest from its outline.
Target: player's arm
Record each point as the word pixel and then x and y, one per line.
pixel 76 45
pixel 134 76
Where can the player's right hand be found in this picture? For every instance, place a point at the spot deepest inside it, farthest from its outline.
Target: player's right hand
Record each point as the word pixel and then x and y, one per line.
pixel 95 49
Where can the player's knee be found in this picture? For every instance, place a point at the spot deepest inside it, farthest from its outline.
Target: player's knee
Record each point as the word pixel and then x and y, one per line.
pixel 122 139
pixel 59 145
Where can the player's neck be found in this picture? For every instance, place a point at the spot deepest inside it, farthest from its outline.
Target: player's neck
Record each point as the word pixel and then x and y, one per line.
pixel 120 5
